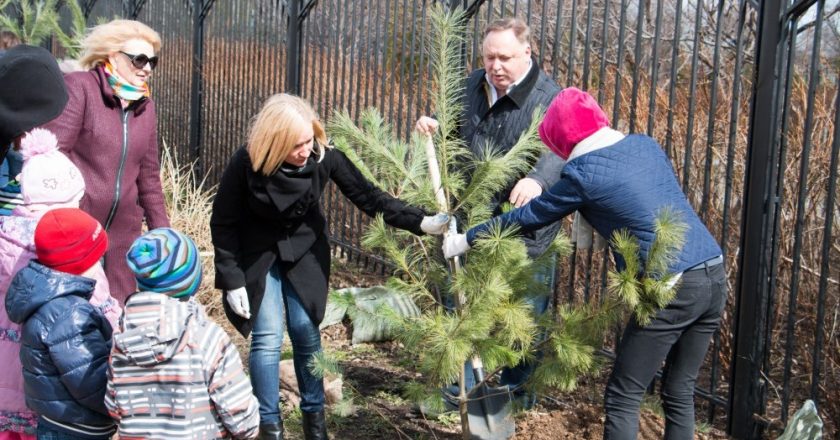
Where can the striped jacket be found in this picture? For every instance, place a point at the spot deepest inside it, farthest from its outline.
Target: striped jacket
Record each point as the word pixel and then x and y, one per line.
pixel 174 373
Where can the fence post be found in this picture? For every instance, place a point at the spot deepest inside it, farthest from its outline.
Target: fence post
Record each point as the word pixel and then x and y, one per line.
pixel 293 48
pixel 200 8
pixel 87 7
pixel 746 386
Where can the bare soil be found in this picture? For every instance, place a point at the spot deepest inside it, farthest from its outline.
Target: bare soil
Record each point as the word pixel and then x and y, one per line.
pixel 375 376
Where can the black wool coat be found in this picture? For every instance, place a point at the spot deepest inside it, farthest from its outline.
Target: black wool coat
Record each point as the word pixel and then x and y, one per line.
pixel 501 125
pixel 258 220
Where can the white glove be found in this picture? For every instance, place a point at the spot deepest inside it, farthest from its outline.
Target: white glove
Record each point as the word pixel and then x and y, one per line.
pixel 454 245
pixel 238 301
pixel 435 224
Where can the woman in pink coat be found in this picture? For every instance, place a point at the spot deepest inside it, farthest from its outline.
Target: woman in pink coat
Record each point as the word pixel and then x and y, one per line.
pixel 108 129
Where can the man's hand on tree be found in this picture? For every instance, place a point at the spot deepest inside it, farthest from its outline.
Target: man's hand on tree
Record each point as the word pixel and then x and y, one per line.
pixel 426 125
pixel 525 190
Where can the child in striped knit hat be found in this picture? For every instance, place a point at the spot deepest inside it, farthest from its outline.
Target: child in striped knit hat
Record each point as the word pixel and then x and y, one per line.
pixel 173 372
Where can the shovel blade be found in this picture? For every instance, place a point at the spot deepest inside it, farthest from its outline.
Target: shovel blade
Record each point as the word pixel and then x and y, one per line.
pixel 489 411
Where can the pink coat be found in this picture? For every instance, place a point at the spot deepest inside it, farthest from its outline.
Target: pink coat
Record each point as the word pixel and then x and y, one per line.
pixel 17 248
pixel 122 179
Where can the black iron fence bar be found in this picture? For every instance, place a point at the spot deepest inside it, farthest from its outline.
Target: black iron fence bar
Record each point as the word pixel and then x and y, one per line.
pixel 324 80
pixel 730 165
pixel 637 54
pixel 200 9
pixel 798 8
pixel 672 88
pixel 293 42
pixel 349 52
pixel 777 185
pixel 367 56
pixel 307 8
pixel 654 68
pixel 359 55
pixel 306 53
pixel 819 336
pixel 135 8
pixel 570 78
pixel 555 55
pixel 751 302
pixel 622 31
pixel 710 133
pixel 602 70
pixel 87 7
pixel 402 70
pixel 813 82
pixel 692 94
pixel 587 44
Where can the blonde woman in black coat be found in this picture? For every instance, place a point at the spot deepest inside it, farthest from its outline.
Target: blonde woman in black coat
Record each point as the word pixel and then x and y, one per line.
pixel 272 251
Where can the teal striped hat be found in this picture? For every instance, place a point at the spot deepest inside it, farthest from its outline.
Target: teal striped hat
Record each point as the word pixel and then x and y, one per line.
pixel 165 261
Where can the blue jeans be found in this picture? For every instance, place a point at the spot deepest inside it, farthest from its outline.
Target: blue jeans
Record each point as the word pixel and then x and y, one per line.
pixel 679 334
pixel 267 338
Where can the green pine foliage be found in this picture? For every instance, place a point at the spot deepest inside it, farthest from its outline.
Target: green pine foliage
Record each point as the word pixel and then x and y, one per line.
pixel 646 288
pixel 72 42
pixel 38 20
pixel 492 318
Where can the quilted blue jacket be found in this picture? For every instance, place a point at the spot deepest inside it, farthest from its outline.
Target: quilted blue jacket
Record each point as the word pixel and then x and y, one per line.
pixel 65 343
pixel 623 185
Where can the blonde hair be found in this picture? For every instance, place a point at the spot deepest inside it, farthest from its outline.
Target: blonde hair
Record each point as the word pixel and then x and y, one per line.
pixel 277 128
pixel 520 28
pixel 105 39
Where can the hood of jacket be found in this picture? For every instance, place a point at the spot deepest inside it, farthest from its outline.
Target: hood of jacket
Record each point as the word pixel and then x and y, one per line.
pixel 154 327
pixel 36 285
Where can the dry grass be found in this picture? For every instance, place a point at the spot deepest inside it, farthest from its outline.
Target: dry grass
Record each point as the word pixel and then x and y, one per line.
pixel 189 204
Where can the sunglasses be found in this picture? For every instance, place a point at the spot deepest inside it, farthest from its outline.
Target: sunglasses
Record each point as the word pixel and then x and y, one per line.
pixel 140 61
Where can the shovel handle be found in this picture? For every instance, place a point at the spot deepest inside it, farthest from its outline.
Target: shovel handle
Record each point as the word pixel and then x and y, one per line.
pixel 440 196
pixel 434 174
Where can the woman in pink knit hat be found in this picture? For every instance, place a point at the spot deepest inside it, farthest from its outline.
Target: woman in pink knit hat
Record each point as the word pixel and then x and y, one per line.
pixel 620 182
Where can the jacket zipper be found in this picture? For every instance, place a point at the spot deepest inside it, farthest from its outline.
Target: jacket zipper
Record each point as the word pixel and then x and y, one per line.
pixel 119 170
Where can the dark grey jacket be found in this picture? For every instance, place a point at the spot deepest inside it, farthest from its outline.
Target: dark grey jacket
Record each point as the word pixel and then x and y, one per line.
pixel 502 124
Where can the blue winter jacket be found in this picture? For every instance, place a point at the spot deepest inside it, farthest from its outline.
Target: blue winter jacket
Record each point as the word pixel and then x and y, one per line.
pixel 624 185
pixel 65 343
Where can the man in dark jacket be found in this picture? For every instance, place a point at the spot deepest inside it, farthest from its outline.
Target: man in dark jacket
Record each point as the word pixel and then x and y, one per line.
pixel 499 104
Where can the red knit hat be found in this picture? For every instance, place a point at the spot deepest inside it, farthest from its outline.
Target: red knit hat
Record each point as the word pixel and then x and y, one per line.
pixel 69 240
pixel 572 116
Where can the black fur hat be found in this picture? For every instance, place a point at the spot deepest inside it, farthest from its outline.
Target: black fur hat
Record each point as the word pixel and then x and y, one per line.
pixel 32 91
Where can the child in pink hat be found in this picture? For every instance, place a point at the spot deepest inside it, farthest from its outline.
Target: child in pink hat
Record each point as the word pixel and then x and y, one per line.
pixel 65 340
pixel 620 182
pixel 48 181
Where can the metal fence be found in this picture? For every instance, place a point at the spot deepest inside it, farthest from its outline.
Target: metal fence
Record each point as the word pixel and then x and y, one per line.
pixel 743 95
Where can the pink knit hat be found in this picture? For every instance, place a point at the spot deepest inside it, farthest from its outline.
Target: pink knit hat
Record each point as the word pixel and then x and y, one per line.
pixel 572 116
pixel 48 179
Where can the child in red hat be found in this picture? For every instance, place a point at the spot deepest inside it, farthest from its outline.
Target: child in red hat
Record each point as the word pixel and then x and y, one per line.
pixel 65 341
pixel 620 182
